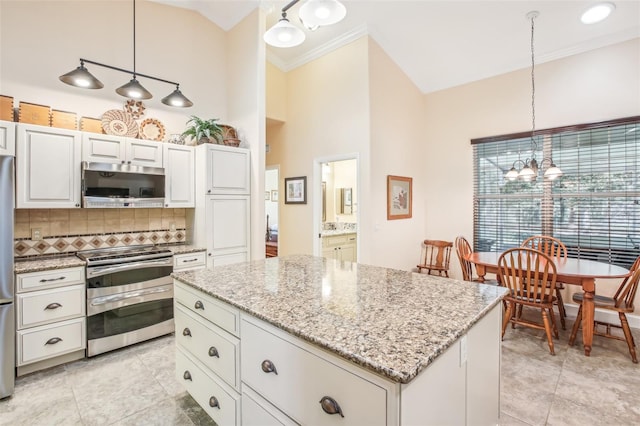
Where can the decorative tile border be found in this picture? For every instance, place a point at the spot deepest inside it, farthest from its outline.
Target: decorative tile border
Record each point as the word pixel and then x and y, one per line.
pixel 72 244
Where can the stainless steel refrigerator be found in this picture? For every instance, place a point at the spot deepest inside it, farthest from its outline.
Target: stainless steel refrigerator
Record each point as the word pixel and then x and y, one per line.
pixel 7 314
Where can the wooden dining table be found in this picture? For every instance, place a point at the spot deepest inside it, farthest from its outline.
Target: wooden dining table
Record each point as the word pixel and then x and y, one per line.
pixel 580 272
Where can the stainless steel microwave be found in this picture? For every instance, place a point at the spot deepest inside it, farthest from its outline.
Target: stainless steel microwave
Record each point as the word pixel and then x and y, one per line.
pixel 106 185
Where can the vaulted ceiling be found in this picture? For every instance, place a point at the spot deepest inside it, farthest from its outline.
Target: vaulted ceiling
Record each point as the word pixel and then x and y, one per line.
pixel 441 44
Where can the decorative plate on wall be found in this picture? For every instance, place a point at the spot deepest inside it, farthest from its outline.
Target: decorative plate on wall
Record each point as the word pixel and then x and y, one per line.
pixel 119 123
pixel 135 108
pixel 152 129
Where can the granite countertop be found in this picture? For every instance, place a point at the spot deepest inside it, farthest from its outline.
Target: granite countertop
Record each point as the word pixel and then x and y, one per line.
pixel 36 264
pixel 332 232
pixel 185 248
pixel 394 323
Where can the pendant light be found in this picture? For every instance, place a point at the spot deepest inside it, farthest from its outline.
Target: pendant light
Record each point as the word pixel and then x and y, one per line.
pixel 530 166
pixel 81 77
pixel 322 12
pixel 284 33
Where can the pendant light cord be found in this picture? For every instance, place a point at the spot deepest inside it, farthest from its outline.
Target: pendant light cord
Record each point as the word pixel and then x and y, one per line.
pixel 134 38
pixel 533 91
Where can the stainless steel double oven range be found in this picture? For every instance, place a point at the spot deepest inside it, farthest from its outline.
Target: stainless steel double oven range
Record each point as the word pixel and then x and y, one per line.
pixel 129 296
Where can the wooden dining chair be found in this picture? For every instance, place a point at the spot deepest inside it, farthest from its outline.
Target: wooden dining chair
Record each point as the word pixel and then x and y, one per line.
pixel 463 249
pixel 530 276
pixel 621 302
pixel 554 248
pixel 435 257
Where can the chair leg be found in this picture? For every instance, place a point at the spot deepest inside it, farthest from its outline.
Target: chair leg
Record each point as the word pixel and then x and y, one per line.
pixel 507 318
pixel 547 329
pixel 628 336
pixel 554 326
pixel 576 326
pixel 561 309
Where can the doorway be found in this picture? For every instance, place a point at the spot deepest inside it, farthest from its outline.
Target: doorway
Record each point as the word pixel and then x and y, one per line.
pixel 336 219
pixel 271 210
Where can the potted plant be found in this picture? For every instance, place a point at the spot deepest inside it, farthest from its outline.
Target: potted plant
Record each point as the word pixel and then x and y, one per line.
pixel 203 131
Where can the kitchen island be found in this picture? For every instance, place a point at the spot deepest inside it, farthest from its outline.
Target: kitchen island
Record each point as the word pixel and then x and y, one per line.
pixel 303 339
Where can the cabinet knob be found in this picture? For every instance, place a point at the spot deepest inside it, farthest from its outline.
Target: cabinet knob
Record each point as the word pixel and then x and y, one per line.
pixel 269 367
pixel 77 204
pixel 186 332
pixel 122 161
pixel 166 205
pixel 128 162
pixel 54 305
pixel 208 191
pixel 213 402
pixel 53 341
pixel 199 305
pixel 213 352
pixel 330 406
pixel 187 375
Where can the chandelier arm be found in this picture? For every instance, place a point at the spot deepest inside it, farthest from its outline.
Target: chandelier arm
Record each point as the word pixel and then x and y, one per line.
pixel 82 61
pixel 289 5
pixel 134 38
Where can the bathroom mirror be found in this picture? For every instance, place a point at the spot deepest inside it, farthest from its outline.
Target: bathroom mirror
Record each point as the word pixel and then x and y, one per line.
pixel 346 202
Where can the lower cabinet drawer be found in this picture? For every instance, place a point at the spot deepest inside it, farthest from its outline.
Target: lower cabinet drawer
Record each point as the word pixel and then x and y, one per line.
pixel 221 405
pixel 304 380
pixel 258 412
pixel 189 261
pixel 215 348
pixel 48 341
pixel 47 306
pixel 221 314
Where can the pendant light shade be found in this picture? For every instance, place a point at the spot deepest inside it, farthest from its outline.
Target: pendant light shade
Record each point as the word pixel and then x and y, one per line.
pixel 322 12
pixel 284 34
pixel 553 172
pixel 134 90
pixel 81 77
pixel 177 99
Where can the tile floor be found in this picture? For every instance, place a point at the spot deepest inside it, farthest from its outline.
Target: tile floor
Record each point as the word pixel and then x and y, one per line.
pixel 136 386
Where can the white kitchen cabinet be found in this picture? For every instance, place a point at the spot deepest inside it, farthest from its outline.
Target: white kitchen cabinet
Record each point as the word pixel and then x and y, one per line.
pixel 221 218
pixel 118 149
pixel 47 167
pixel 7 138
pixel 50 318
pixel 340 247
pixel 224 170
pixel 179 169
pixel 189 261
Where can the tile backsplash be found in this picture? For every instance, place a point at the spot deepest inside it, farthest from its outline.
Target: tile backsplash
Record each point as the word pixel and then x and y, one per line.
pixel 70 230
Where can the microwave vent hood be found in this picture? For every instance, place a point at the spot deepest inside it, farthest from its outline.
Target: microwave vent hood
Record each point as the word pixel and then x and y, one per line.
pixel 106 185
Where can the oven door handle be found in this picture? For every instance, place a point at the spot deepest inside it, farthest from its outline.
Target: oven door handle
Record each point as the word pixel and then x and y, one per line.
pixel 97 271
pixel 120 300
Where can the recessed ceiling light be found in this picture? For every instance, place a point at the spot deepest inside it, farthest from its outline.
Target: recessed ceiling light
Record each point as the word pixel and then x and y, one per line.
pixel 597 13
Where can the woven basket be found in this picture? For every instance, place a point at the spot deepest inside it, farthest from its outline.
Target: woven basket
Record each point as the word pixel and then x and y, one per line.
pixel 231 142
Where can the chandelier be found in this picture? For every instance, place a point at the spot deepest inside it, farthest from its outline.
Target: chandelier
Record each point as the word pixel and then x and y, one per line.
pixel 530 166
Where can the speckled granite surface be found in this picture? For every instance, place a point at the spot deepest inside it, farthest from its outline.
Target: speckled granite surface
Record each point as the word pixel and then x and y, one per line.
pixel 185 248
pixel 35 264
pixel 331 232
pixel 392 322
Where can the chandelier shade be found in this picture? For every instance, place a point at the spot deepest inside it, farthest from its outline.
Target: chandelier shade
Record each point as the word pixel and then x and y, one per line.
pixel 284 34
pixel 81 77
pixel 322 12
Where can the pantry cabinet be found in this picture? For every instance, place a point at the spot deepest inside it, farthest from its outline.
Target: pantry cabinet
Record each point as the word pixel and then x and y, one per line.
pixel 179 169
pixel 221 218
pixel 118 149
pixel 7 138
pixel 47 167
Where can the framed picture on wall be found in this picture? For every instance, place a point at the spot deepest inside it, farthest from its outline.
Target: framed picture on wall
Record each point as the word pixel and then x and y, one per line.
pixel 399 197
pixel 295 190
pixel 274 195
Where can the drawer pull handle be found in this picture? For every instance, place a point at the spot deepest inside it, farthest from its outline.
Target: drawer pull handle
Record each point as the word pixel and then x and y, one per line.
pixel 330 406
pixel 199 305
pixel 269 367
pixel 189 260
pixel 54 305
pixel 214 352
pixel 213 402
pixel 187 375
pixel 186 332
pixel 53 341
pixel 52 279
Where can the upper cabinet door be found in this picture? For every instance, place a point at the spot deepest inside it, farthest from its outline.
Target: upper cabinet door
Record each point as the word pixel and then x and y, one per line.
pixel 228 170
pixel 179 172
pixel 47 167
pixel 144 153
pixel 7 138
pixel 97 148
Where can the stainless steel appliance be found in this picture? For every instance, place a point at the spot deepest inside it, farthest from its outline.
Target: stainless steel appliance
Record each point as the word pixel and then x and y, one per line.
pixel 106 185
pixel 129 296
pixel 7 315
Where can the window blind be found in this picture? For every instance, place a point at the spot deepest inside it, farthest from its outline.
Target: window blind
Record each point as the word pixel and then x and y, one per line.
pixel 594 208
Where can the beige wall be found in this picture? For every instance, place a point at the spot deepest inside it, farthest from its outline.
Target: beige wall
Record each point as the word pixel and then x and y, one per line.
pixel 327 115
pixel 276 93
pixel 41 40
